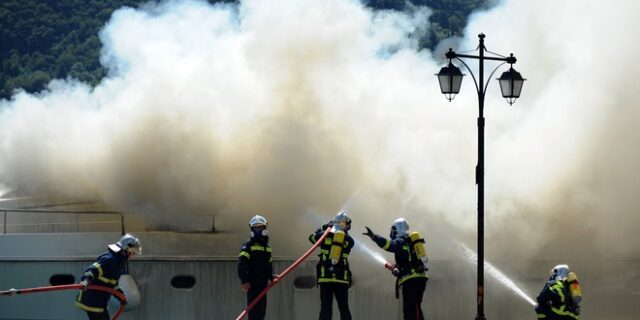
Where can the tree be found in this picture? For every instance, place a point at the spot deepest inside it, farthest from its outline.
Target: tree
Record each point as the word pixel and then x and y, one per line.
pixel 44 40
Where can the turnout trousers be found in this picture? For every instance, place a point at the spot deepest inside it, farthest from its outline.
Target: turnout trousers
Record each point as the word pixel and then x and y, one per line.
pixel 259 311
pixel 98 315
pixel 412 294
pixel 341 291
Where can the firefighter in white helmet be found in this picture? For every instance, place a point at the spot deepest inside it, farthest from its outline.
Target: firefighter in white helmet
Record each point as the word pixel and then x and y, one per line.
pixel 255 268
pixel 106 272
pixel 561 295
pixel 333 272
pixel 410 269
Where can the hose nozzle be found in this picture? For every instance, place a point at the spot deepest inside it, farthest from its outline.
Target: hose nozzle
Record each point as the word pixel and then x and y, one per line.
pixel 392 267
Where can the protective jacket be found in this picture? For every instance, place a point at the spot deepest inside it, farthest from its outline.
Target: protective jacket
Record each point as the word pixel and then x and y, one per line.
pixel 325 270
pixel 408 264
pixel 554 302
pixel 255 264
pixel 104 272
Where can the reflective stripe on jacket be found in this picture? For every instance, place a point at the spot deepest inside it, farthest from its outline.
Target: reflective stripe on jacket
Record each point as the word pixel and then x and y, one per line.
pixel 552 302
pixel 409 266
pixel 255 263
pixel 104 272
pixel 325 270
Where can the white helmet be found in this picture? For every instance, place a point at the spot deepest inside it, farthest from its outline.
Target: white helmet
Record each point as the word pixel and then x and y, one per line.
pixel 129 243
pixel 256 222
pixel 400 227
pixel 342 221
pixel 560 272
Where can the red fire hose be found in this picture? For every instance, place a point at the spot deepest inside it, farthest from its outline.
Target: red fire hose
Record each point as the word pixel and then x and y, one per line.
pixel 118 294
pixel 282 275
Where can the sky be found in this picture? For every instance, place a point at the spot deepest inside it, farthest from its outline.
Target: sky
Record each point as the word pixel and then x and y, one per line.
pixel 317 106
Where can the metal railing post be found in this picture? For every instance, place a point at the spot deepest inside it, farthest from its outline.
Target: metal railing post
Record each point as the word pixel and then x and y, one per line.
pixel 122 223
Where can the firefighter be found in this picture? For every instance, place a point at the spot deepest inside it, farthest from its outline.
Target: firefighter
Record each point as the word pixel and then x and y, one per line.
pixel 410 268
pixel 560 297
pixel 106 272
pixel 255 267
pixel 333 272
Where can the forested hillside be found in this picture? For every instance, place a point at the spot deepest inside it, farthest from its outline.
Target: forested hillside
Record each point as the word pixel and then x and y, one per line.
pixel 44 40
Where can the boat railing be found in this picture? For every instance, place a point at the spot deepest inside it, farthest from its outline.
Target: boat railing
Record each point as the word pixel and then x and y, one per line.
pixel 54 221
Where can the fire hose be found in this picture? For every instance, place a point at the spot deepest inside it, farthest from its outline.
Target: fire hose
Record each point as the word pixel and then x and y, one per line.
pixel 121 298
pixel 282 275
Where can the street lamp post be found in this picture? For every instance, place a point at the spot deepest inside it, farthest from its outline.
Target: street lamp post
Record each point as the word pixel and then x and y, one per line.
pixel 450 79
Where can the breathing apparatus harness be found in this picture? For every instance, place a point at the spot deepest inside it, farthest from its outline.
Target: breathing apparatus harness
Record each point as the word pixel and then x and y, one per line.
pixel 416 252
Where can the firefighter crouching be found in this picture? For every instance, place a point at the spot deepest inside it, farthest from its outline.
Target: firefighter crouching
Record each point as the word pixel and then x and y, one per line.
pixel 255 268
pixel 560 298
pixel 333 273
pixel 106 272
pixel 410 269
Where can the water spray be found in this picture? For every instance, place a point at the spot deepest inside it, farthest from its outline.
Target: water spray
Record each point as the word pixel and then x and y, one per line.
pixel 376 256
pixel 495 273
pixel 388 265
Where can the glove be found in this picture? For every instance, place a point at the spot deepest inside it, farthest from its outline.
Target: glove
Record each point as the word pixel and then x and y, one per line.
pixel 577 310
pixel 369 233
pixel 328 225
pixel 84 284
pixel 245 287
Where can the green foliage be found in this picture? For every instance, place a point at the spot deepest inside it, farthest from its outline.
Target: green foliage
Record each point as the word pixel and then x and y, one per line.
pixel 42 40
pixel 448 17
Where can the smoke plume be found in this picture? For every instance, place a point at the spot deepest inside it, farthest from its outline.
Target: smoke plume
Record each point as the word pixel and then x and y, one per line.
pixel 240 109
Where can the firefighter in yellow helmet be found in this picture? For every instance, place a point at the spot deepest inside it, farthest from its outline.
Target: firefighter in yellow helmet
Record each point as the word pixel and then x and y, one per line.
pixel 560 297
pixel 106 272
pixel 410 269
pixel 255 268
pixel 333 272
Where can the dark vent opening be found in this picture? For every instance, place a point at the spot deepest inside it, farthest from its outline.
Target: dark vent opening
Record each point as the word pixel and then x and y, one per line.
pixel 183 282
pixel 62 279
pixel 304 282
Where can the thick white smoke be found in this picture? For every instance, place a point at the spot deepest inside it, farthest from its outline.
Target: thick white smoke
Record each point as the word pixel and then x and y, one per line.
pixel 278 106
pixel 563 164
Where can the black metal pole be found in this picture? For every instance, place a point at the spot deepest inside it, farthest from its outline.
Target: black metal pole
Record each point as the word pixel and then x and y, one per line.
pixel 480 182
pixel 480 85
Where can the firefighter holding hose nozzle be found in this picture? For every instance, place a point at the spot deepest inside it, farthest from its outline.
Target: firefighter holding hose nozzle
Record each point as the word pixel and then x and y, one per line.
pixel 560 298
pixel 333 272
pixel 410 268
pixel 106 272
